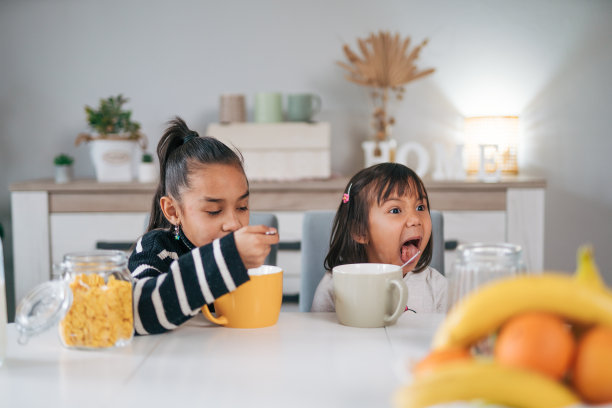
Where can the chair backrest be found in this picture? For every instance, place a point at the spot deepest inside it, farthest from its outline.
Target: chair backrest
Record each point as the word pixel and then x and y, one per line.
pixel 269 219
pixel 437 234
pixel 316 231
pixel 255 218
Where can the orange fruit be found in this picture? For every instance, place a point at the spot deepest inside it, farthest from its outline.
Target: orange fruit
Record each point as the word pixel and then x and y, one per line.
pixel 536 341
pixel 592 371
pixel 439 357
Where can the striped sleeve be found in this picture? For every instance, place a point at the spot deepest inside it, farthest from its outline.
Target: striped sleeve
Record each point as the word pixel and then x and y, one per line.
pixel 169 291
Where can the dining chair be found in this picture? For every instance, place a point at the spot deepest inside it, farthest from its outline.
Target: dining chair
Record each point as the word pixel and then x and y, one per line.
pixel 256 218
pixel 269 219
pixel 316 231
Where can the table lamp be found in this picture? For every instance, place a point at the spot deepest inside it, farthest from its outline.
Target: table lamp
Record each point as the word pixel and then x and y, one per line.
pixel 491 145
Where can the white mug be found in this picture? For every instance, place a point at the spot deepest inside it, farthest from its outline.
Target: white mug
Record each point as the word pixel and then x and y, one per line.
pixel 369 294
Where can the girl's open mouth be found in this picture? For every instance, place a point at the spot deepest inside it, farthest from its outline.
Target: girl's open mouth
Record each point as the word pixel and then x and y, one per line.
pixel 409 248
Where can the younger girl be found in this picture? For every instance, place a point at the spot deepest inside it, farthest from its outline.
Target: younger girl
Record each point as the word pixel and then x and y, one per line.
pixel 384 218
pixel 198 245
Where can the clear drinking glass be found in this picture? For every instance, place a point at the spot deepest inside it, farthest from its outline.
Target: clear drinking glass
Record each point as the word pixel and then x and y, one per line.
pixel 480 263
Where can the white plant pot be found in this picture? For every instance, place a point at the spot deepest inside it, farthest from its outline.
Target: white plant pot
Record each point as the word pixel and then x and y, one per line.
pixel 147 172
pixel 63 174
pixel 115 160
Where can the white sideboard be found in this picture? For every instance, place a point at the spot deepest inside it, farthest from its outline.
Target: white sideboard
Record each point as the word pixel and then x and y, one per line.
pixel 51 219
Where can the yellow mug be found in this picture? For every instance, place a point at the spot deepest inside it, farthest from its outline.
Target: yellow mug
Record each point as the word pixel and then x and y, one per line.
pixel 253 304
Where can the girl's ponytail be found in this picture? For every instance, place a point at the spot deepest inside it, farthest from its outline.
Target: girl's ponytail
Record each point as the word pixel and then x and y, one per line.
pixel 157 219
pixel 177 147
pixel 173 137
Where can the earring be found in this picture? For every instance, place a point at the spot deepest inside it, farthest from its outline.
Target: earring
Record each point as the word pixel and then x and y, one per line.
pixel 176 232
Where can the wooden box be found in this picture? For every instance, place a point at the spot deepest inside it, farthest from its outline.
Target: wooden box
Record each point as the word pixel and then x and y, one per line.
pixel 279 151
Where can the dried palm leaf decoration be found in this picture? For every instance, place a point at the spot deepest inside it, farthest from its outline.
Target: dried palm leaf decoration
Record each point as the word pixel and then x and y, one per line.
pixel 387 64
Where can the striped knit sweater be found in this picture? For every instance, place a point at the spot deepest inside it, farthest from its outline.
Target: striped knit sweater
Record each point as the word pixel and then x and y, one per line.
pixel 174 279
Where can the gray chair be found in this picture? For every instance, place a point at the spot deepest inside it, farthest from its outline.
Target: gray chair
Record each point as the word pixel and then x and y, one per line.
pixel 269 219
pixel 316 231
pixel 255 218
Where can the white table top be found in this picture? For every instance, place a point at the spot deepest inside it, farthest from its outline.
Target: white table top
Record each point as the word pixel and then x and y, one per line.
pixel 305 360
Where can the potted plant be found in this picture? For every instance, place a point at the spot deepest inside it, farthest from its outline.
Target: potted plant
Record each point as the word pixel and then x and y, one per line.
pixel 147 171
pixel 115 140
pixel 63 168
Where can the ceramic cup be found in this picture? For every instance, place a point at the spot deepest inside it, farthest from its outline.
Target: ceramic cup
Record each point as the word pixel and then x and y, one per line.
pixel 232 108
pixel 369 294
pixel 268 107
pixel 253 304
pixel 302 107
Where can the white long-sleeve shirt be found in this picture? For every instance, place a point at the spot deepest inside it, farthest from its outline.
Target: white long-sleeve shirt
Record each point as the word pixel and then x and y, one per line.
pixel 426 292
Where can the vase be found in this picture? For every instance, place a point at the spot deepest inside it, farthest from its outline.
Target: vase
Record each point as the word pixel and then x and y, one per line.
pixel 63 174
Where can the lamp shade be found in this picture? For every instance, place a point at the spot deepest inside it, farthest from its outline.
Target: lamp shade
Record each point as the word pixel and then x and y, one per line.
pixel 497 133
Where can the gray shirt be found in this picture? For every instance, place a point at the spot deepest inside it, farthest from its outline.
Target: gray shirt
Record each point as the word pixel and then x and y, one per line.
pixel 426 292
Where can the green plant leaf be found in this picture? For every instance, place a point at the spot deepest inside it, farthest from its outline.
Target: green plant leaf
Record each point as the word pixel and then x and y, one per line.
pixel 63 159
pixel 111 118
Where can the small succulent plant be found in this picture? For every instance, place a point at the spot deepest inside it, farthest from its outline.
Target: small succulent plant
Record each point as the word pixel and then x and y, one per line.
pixel 63 159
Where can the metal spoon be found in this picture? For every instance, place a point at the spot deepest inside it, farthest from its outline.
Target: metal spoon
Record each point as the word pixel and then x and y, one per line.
pixel 411 259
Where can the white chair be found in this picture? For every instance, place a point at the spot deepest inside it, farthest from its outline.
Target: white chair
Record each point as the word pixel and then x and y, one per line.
pixel 316 232
pixel 3 294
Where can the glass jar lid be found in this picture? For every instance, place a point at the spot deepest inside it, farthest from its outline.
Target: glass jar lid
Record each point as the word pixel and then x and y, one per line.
pixel 106 261
pixel 43 307
pixel 489 252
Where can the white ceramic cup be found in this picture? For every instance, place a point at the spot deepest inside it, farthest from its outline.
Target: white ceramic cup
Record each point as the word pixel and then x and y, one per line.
pixel 369 294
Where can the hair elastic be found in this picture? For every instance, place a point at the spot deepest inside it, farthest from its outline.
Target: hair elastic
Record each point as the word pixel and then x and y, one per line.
pixel 189 136
pixel 346 196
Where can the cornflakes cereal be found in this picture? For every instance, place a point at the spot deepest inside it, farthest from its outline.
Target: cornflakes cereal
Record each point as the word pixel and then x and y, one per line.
pixel 100 315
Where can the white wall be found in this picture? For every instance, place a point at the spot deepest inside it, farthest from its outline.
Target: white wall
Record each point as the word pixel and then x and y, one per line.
pixel 545 60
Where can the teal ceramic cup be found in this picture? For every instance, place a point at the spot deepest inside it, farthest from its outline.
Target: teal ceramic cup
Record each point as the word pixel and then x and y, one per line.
pixel 268 107
pixel 302 107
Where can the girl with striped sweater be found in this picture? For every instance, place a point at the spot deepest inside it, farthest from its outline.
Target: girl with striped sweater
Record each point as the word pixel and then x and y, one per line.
pixel 198 245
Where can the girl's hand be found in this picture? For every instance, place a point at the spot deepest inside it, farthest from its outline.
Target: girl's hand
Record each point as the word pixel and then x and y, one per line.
pixel 253 243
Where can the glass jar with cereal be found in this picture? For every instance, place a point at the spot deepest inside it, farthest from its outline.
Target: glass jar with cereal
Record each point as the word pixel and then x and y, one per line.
pixel 92 302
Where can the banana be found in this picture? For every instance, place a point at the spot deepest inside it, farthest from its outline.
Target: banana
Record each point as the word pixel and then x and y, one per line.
pixel 484 380
pixel 587 272
pixel 484 311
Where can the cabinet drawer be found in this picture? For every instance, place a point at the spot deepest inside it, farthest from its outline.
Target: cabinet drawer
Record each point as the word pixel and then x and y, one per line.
pixel 80 231
pixel 472 226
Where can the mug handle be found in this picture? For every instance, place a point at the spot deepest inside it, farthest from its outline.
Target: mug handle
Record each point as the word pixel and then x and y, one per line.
pixel 403 299
pixel 221 320
pixel 316 105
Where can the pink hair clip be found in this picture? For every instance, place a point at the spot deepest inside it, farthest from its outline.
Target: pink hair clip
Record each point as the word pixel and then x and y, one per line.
pixel 346 197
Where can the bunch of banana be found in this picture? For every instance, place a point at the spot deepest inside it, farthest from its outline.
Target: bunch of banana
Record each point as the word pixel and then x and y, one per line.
pixel 582 299
pixel 487 381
